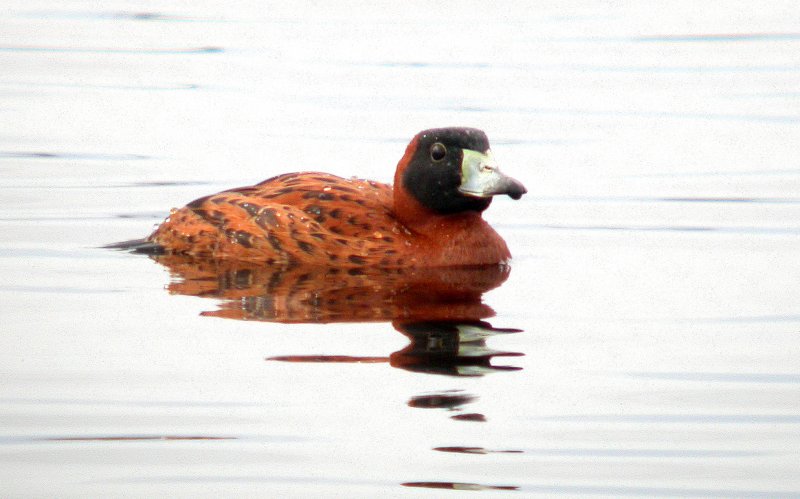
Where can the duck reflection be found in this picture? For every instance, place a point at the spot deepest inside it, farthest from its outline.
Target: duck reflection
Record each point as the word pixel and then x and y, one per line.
pixel 303 294
pixel 450 400
pixel 439 310
pixel 459 486
pixel 455 348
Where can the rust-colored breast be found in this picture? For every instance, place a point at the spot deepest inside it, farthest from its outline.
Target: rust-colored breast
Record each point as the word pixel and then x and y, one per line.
pixel 311 218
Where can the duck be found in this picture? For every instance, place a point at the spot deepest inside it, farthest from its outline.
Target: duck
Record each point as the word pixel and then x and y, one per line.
pixel 430 217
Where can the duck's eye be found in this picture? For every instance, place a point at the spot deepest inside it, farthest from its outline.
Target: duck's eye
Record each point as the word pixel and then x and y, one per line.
pixel 438 151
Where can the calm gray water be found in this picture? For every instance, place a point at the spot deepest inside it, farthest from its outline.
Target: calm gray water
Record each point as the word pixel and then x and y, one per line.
pixel 646 342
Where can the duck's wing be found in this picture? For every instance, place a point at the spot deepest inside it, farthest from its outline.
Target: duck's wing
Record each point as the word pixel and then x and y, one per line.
pixel 301 217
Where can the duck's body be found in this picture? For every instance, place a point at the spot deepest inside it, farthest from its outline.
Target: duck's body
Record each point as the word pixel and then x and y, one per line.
pixel 427 219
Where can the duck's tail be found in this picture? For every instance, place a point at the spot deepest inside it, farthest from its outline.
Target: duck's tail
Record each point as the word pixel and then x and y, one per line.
pixel 138 246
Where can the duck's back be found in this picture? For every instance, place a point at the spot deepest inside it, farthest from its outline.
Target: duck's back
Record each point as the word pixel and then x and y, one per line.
pixel 297 217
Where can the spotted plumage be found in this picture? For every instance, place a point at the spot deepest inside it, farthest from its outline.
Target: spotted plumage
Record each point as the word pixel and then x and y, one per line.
pixel 432 216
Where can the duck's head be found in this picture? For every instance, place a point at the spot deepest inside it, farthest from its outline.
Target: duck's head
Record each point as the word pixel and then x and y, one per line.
pixel 452 170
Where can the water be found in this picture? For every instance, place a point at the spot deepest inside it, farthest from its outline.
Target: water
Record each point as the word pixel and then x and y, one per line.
pixel 644 343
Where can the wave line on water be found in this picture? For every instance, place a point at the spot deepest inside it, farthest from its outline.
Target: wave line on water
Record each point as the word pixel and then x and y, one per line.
pixel 748 419
pixel 70 155
pixel 718 377
pixel 116 16
pixel 682 199
pixel 719 37
pixel 107 50
pixel 98 86
pixel 663 228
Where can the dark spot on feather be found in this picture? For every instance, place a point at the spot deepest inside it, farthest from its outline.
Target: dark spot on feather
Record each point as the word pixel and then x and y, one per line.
pixel 356 259
pixel 242 279
pixel 332 258
pixel 388 239
pixel 345 197
pixel 355 272
pixel 335 213
pixel 335 230
pixel 240 237
pixel 317 235
pixel 323 196
pixel 244 191
pixel 344 189
pixel 267 218
pixel 343 242
pixel 197 203
pixel 314 209
pixel 307 247
pixel 360 202
pixel 390 252
pixel 250 208
pixel 274 282
pixel 352 220
pixel 275 242
pixel 279 192
pixel 215 217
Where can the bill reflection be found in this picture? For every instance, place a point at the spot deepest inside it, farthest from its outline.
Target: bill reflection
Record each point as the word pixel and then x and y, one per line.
pixel 440 310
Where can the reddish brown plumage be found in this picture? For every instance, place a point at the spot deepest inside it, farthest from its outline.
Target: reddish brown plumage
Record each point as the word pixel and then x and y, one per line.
pixel 322 219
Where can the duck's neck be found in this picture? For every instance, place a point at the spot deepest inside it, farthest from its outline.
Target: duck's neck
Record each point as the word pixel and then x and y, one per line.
pixel 455 239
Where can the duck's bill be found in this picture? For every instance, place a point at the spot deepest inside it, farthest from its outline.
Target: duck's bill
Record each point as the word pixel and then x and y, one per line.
pixel 480 177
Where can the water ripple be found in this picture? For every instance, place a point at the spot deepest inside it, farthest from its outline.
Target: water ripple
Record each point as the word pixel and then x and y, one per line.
pixel 720 37
pixel 707 377
pixel 115 16
pixel 755 419
pixel 97 86
pixel 70 155
pixel 108 50
pixel 665 228
pixel 623 453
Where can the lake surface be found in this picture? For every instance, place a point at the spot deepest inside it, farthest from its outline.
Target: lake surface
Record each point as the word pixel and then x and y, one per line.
pixel 646 341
